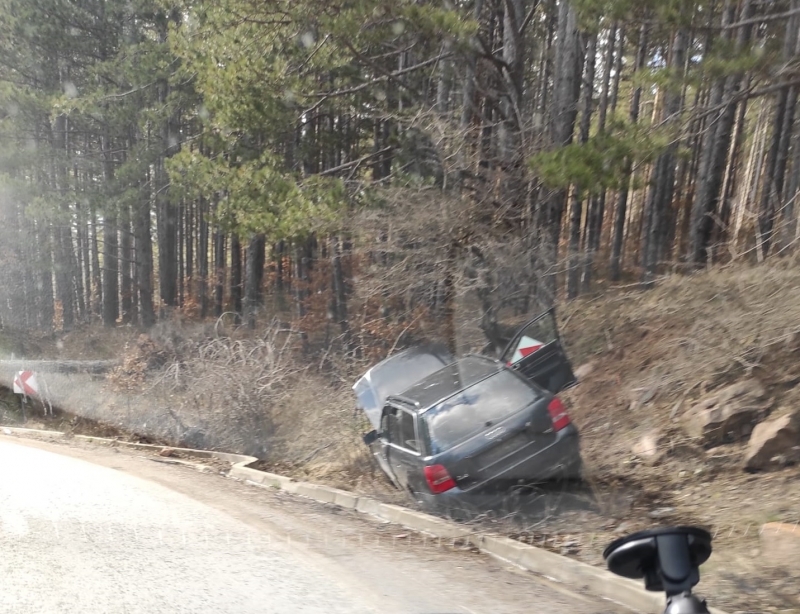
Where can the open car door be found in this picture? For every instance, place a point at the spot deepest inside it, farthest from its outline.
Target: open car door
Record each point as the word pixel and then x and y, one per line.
pixel 536 352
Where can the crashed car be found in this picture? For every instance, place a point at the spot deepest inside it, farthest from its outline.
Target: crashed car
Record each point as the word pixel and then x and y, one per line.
pixel 445 429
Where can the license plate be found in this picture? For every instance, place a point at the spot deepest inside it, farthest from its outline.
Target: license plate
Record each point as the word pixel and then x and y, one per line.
pixel 503 449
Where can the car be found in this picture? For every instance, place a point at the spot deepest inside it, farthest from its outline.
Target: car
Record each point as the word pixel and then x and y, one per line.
pixel 447 429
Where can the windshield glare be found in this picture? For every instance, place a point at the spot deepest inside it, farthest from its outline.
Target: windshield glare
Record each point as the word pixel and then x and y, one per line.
pixel 476 408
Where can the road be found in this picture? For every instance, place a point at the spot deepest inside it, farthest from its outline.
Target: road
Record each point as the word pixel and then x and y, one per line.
pixel 90 529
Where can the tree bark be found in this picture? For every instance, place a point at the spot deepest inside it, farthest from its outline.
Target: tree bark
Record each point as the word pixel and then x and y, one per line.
pixel 45 282
pixel 144 261
pixel 662 179
pixel 219 271
pixel 236 276
pixel 576 216
pixel 110 246
pixel 202 257
pixel 715 147
pixel 513 74
pixel 97 284
pixel 339 286
pixel 254 271
pixel 596 213
pixel 126 261
pixel 783 117
pixel 566 91
pixel 621 210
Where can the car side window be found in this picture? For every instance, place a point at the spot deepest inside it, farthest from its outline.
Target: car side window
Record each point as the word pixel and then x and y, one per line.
pixel 399 427
pixel 408 433
pixel 534 336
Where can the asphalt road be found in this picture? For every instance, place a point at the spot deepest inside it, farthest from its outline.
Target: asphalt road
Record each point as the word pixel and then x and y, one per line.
pixel 90 530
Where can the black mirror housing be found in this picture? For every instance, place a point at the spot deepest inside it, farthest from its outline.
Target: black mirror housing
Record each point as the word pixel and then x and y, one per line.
pixel 371 437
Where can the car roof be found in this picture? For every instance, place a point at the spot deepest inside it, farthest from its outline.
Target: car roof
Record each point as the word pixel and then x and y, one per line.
pixel 446 382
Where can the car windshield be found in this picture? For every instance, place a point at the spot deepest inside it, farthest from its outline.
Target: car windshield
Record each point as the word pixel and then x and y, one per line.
pixel 476 408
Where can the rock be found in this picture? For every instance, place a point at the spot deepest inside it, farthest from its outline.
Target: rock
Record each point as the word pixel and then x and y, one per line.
pixel 584 370
pixel 729 414
pixel 780 545
pixel 774 443
pixel 647 447
pixel 661 512
pixel 166 452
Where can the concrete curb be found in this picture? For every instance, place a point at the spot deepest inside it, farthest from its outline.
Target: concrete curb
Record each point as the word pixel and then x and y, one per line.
pixel 580 577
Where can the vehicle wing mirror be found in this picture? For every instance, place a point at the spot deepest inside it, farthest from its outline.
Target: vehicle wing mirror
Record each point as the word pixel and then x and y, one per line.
pixel 371 437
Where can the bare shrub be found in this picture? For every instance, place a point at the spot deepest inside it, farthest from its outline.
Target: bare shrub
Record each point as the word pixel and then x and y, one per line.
pixel 221 391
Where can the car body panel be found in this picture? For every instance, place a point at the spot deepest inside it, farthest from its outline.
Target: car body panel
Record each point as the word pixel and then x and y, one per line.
pixel 396 373
pixel 566 445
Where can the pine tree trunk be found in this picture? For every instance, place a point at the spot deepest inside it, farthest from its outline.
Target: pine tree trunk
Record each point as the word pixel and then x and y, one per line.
pixel 783 117
pixel 339 286
pixel 62 235
pixel 659 198
pixel 576 216
pixel 97 285
pixel 732 177
pixel 715 147
pixel 300 279
pixel 254 271
pixel 566 91
pixel 126 261
pixel 236 276
pixel 621 210
pixel 166 212
pixel 110 246
pixel 789 230
pixel 513 75
pixel 85 223
pixel 144 262
pixel 219 271
pixel 202 257
pixel 45 282
pixel 181 251
pixel 80 241
pixel 594 219
pixel 189 238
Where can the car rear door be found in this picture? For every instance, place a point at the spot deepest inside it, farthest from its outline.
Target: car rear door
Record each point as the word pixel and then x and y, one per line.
pixel 380 447
pixel 404 451
pixel 537 353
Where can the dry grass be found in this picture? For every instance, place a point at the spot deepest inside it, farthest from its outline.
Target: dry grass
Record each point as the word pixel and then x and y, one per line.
pixel 654 353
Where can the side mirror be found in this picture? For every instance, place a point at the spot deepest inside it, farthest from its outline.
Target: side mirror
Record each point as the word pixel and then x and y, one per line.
pixel 371 437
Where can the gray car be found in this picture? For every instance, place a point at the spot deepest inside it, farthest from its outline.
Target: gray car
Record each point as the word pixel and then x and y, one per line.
pixel 447 430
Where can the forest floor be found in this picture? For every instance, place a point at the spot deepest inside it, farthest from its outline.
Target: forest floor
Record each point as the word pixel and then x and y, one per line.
pixel 646 357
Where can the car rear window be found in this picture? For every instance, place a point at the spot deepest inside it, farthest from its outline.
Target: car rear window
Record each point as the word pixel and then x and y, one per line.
pixel 468 412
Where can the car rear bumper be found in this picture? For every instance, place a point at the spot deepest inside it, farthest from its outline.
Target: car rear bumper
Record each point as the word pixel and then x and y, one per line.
pixel 559 461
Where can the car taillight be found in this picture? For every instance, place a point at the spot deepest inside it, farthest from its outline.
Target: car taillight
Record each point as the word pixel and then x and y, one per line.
pixel 558 414
pixel 438 479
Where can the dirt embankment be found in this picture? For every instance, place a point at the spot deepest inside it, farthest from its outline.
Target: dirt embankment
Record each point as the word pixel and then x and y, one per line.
pixel 653 356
